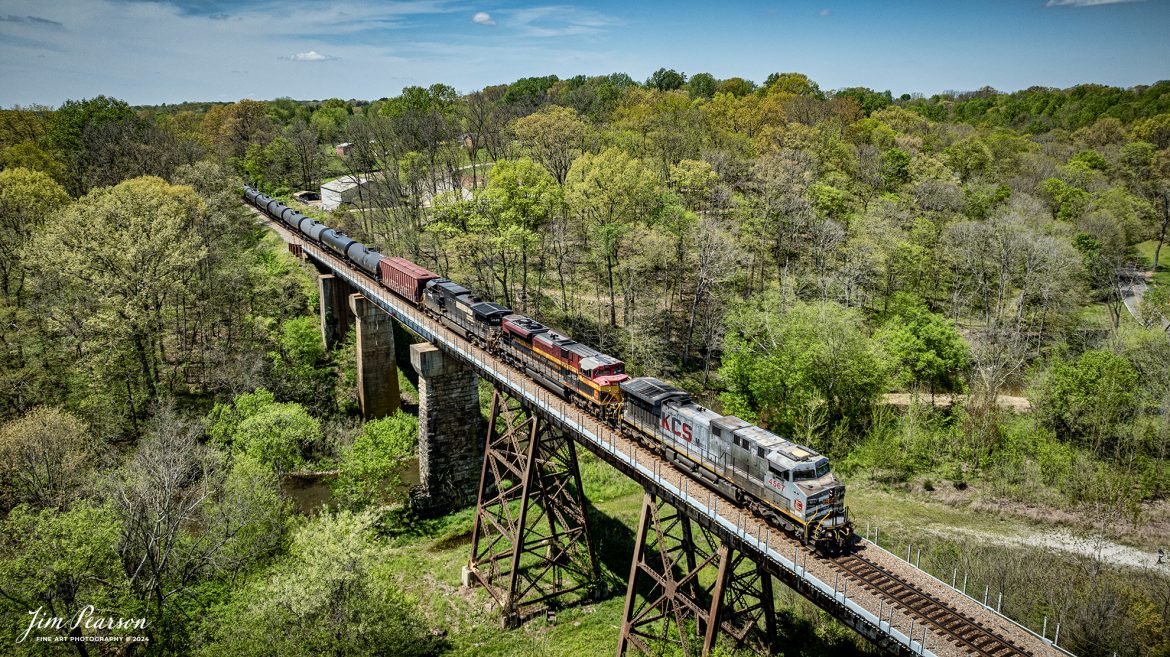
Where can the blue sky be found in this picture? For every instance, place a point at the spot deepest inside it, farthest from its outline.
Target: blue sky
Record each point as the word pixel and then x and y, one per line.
pixel 174 50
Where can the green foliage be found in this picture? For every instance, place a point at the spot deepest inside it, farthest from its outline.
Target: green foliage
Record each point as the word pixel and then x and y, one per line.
pixel 694 180
pixel 555 136
pixel 1039 109
pixel 1033 463
pixel 1155 129
pixel 285 110
pixel 787 361
pixel 981 200
pixel 224 420
pixel 1066 201
pixel 702 85
pixel 59 561
pixel 143 248
pixel 331 595
pixel 522 194
pixel 28 155
pixel 299 365
pixel 873 132
pixel 736 86
pixel 797 84
pixel 1089 400
pixel 27 199
pixel 75 123
pixel 529 91
pixel 895 167
pixel 868 100
pixel 969 157
pixel 926 348
pixel 898 447
pixel 46 457
pixel 279 435
pixel 330 121
pixel 1090 160
pixel 369 468
pixel 251 496
pixel 829 201
pixel 595 97
pixel 666 80
pixel 1130 213
pixel 609 191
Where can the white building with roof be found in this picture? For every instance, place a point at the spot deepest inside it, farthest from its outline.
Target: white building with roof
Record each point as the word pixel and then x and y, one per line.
pixel 346 190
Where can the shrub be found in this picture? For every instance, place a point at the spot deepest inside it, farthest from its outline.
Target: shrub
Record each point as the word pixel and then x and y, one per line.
pixel 369 467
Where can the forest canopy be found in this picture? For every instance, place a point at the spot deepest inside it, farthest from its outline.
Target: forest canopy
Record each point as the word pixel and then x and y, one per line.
pixel 791 254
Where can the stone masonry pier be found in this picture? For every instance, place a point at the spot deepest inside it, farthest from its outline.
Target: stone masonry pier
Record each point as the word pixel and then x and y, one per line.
pixel 377 373
pixel 336 317
pixel 450 431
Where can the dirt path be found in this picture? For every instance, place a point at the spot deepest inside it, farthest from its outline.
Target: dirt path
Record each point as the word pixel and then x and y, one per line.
pixel 904 399
pixel 1133 286
pixel 1061 540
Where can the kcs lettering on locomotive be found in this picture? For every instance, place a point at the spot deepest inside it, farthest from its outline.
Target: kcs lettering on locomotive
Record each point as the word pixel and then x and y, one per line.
pixel 672 424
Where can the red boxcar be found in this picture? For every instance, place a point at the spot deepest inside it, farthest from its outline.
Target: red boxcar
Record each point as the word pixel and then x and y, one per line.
pixel 404 278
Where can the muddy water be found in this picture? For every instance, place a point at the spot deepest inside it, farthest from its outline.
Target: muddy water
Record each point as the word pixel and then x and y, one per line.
pixel 310 492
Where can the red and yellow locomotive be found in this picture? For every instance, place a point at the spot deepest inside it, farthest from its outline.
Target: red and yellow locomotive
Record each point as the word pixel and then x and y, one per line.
pixel 577 371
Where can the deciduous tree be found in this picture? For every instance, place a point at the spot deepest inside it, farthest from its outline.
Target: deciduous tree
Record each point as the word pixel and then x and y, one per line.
pixel 332 594
pixel 112 272
pixel 46 457
pixel 785 358
pixel 608 192
pixel 554 136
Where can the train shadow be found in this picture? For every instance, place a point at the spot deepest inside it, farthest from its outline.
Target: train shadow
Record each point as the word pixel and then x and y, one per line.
pixel 613 546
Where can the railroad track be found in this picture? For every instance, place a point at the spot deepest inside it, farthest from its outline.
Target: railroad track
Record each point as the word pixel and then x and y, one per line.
pixel 958 628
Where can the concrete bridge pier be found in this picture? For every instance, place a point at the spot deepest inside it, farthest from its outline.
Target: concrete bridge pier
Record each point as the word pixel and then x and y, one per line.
pixel 336 317
pixel 377 372
pixel 450 432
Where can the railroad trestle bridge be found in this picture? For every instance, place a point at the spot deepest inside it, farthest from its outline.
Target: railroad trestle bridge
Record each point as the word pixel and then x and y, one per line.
pixel 702 565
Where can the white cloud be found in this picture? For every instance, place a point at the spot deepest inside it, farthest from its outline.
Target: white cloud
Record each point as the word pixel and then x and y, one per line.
pixel 825 12
pixel 31 20
pixel 560 21
pixel 1086 3
pixel 310 56
pixel 483 18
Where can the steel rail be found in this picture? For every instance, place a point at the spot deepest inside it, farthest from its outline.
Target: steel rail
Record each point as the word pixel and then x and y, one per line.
pixel 950 622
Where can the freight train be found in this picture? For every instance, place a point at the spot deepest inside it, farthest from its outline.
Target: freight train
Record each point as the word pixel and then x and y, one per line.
pixel 789 484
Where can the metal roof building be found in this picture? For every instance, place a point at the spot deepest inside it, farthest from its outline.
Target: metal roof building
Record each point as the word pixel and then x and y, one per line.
pixel 347 189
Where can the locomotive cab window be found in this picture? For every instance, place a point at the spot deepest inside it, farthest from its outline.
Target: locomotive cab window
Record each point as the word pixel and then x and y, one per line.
pixel 822 469
pixel 803 473
pixel 779 472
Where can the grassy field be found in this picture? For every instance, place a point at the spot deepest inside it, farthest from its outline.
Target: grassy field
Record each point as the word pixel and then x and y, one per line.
pixel 1146 253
